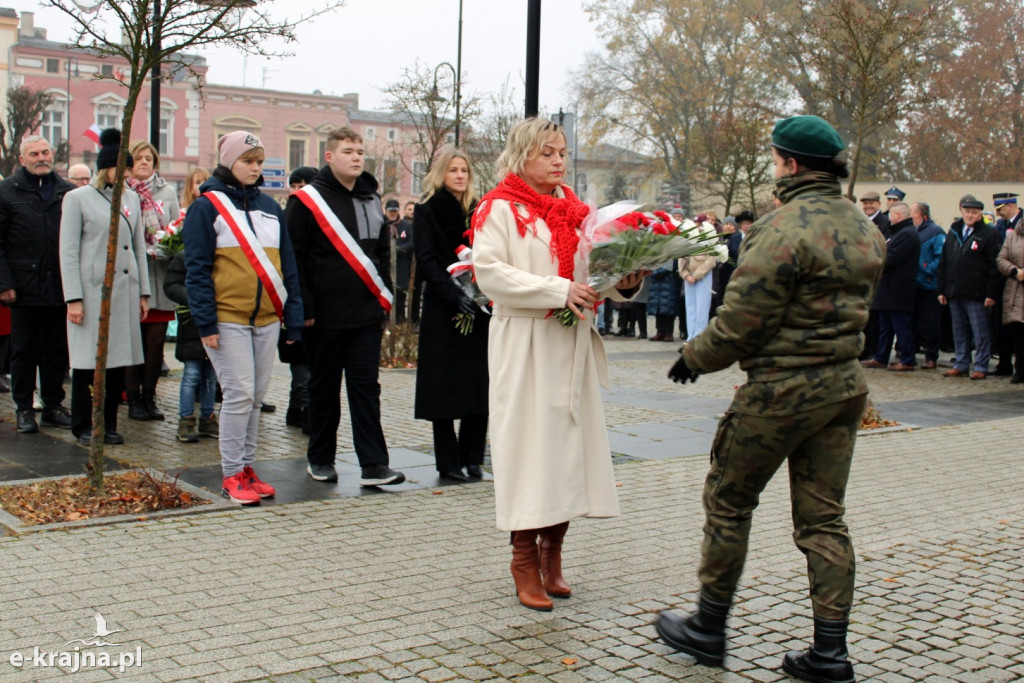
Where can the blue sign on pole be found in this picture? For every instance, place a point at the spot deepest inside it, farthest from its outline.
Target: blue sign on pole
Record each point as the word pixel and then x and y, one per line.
pixel 273 184
pixel 273 172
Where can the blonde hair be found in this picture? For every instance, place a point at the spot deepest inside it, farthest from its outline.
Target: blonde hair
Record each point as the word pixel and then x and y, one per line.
pixel 188 194
pixel 434 179
pixel 144 145
pixel 525 141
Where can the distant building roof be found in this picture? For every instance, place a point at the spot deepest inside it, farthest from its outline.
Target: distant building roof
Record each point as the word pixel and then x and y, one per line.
pixel 612 153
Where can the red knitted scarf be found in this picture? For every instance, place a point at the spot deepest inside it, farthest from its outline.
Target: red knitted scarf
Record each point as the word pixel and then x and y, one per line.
pixel 562 215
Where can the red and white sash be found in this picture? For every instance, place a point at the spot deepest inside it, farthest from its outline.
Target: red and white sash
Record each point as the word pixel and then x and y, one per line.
pixel 346 244
pixel 253 250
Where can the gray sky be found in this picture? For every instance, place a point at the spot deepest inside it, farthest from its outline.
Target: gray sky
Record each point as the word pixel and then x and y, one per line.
pixel 364 46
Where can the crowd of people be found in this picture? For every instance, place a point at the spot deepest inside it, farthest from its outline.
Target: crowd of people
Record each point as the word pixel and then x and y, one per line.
pixel 311 283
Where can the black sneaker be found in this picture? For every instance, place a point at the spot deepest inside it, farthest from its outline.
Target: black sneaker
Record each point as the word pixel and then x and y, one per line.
pixel 322 472
pixel 27 422
pixel 268 408
pixel 57 416
pixel 380 475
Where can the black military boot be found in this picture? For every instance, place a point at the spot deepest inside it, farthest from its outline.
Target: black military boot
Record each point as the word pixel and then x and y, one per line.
pixel 700 635
pixel 826 661
pixel 136 408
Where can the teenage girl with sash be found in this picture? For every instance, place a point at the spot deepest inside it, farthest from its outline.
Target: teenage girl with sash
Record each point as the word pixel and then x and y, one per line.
pixel 242 283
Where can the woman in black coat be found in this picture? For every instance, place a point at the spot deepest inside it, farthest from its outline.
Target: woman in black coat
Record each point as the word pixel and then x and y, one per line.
pixel 451 381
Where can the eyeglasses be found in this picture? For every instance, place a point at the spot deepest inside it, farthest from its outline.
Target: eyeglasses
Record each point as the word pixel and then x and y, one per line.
pixel 80 180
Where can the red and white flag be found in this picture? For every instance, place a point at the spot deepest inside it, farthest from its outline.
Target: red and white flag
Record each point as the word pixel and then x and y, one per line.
pixel 93 133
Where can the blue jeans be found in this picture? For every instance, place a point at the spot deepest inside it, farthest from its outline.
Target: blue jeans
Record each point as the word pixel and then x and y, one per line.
pixel 200 378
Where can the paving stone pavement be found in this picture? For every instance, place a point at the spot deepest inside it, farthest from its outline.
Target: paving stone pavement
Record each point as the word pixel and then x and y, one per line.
pixel 415 586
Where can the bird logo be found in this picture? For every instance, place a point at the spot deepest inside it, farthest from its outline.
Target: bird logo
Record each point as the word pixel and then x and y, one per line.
pixel 98 638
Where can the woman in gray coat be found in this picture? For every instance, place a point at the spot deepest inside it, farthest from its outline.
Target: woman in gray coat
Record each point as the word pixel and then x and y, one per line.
pixel 84 231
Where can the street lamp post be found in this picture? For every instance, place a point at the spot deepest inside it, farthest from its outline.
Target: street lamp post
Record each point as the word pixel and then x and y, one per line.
pixel 67 105
pixel 435 95
pixel 457 74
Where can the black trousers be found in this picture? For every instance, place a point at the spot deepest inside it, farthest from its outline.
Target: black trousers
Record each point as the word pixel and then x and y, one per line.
pixel 81 400
pixel 39 340
pixel 452 453
pixel 354 354
pixel 928 322
pixel 1016 331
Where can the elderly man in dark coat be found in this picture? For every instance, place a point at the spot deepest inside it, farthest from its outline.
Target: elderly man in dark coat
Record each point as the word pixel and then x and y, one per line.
pixel 894 300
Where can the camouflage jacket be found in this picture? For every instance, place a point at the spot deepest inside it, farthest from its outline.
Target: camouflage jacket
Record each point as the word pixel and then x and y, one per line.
pixel 797 303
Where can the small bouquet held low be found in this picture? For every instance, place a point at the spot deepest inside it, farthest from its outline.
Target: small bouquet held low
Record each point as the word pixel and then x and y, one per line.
pixel 462 274
pixel 618 240
pixel 166 243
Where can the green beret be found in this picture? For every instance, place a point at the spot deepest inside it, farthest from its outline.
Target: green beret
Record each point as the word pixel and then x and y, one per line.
pixel 809 136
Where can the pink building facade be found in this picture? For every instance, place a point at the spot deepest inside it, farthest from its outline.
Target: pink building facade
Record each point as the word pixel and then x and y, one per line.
pixel 293 126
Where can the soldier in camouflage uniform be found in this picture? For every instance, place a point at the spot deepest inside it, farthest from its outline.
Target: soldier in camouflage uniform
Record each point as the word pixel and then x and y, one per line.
pixel 793 317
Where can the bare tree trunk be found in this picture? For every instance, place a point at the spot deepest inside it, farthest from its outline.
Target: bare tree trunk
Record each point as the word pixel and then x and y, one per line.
pixel 95 465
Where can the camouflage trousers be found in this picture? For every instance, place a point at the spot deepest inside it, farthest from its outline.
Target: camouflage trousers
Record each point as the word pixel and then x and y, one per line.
pixel 748 449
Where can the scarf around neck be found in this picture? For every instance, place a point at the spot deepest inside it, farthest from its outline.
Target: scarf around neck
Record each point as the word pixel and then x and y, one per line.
pixel 563 216
pixel 150 211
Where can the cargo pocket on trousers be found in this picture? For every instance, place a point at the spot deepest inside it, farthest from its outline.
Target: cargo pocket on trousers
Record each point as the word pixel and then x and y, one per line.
pixel 719 448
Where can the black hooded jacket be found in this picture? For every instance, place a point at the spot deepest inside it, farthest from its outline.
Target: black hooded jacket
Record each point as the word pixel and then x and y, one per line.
pixel 30 210
pixel 332 292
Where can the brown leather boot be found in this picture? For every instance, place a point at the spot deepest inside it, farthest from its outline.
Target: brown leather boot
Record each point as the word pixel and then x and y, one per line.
pixel 551 560
pixel 526 571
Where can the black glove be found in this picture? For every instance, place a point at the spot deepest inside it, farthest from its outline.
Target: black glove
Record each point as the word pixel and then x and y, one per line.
pixel 681 373
pixel 467 305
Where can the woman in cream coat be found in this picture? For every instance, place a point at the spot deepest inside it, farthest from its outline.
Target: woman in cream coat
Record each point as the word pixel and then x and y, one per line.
pixel 84 230
pixel 549 448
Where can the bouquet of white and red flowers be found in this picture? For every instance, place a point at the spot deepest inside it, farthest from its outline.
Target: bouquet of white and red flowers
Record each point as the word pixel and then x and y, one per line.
pixel 618 240
pixel 462 273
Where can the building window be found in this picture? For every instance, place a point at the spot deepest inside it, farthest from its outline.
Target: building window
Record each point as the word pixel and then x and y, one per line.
pixel 389 183
pixel 52 126
pixel 52 66
pixel 392 134
pixel 166 128
pixel 296 154
pixel 370 166
pixel 371 133
pixel 419 169
pixel 107 120
pixel 320 152
pixel 450 138
pixel 107 69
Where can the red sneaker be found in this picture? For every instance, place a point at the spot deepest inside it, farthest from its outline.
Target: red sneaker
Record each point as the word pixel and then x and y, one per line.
pixel 262 488
pixel 237 489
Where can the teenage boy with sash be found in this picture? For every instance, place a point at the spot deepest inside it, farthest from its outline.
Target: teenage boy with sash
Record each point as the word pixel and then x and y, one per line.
pixel 335 224
pixel 242 282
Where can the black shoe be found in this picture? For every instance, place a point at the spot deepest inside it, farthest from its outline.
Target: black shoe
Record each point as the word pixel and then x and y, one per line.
pixel 268 408
pixel 149 402
pixel 825 661
pixel 110 439
pixel 137 411
pixel 474 472
pixel 27 422
pixel 380 475
pixel 322 472
pixel 454 475
pixel 700 635
pixel 1017 379
pixel 56 417
pixel 1001 371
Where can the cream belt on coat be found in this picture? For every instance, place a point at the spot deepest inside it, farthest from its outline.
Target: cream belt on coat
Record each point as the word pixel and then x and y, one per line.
pixel 583 344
